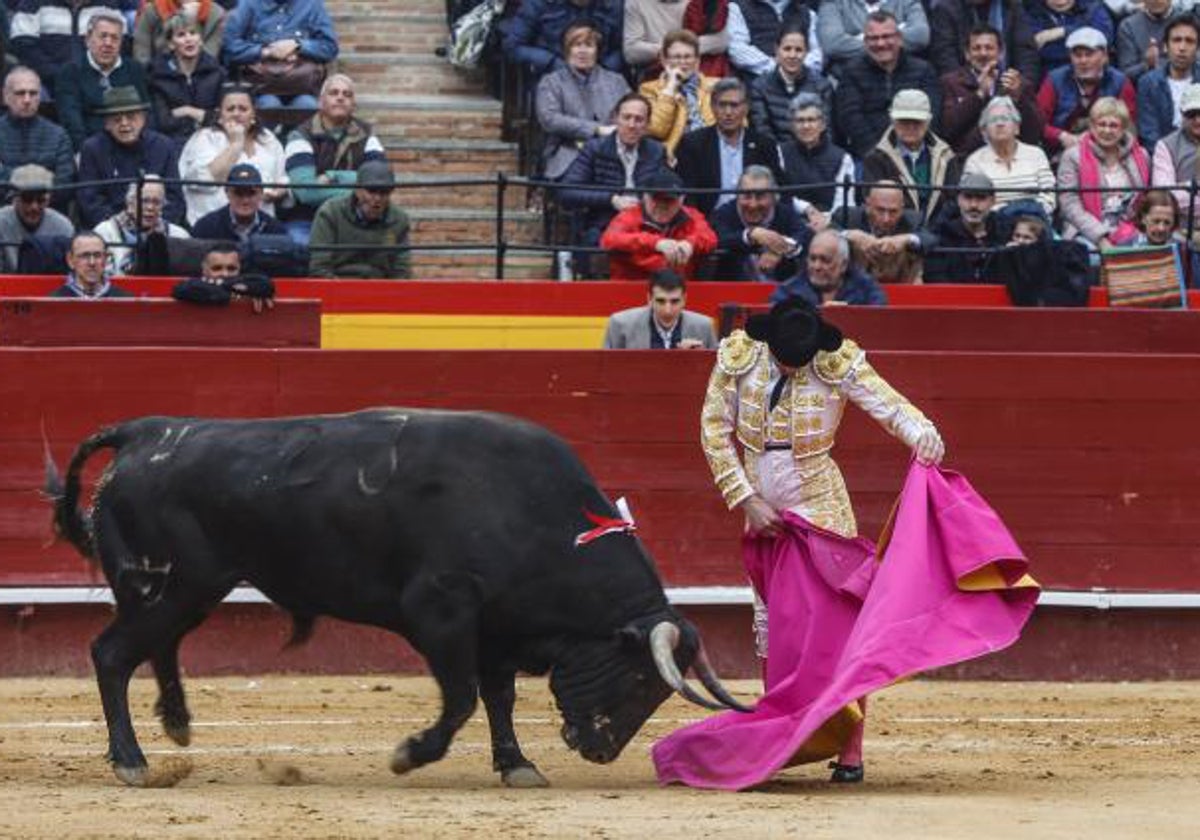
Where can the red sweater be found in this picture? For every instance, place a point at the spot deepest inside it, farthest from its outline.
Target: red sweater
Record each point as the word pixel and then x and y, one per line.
pixel 630 240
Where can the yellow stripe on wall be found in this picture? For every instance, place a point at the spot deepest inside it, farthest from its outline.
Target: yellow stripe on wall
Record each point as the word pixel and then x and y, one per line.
pixel 462 332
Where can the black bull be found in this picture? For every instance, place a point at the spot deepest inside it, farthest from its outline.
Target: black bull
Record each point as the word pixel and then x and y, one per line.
pixel 455 530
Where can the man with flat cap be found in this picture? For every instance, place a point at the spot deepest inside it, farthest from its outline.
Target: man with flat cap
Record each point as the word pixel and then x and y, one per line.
pixel 30 213
pixel 365 217
pixel 779 388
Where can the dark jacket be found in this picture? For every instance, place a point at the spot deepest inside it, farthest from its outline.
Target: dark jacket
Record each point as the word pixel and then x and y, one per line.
pixel 338 223
pixel 763 23
pixel 37 140
pixel 858 289
pixel 942 266
pixel 103 159
pixel 698 161
pixel 252 24
pixel 1091 13
pixel 950 21
pixel 818 165
pixel 47 35
pixel 78 94
pixel 1155 108
pixel 533 36
pixel 961 107
pixel 219 225
pixel 1044 273
pixel 169 89
pixel 864 98
pixel 598 164
pixel 735 254
pixel 771 101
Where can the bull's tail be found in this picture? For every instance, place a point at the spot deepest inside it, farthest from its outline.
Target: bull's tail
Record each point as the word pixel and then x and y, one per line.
pixel 70 522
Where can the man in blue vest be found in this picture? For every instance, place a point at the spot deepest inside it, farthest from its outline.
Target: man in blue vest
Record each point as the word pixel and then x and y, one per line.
pixel 1067 93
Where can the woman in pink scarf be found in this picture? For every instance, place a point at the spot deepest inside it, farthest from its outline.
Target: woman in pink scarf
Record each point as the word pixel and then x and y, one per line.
pixel 1108 155
pixel 780 389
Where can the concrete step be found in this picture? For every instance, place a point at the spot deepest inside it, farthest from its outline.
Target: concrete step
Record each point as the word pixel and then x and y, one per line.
pixel 392 32
pixel 384 73
pixel 480 197
pixel 458 226
pixel 451 157
pixel 412 116
pixel 480 266
pixel 376 7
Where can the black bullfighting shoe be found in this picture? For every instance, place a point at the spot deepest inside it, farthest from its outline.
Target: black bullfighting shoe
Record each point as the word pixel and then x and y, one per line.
pixel 846 774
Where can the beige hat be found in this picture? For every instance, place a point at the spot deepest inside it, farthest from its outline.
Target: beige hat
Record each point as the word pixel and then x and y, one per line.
pixel 1190 101
pixel 912 104
pixel 31 178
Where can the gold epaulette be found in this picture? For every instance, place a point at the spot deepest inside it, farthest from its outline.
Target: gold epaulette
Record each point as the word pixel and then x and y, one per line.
pixel 833 367
pixel 737 353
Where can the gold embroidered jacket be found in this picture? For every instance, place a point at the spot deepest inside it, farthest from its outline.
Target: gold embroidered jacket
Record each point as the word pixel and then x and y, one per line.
pixel 808 412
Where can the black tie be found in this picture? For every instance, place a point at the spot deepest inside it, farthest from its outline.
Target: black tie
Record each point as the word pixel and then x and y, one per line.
pixel 777 392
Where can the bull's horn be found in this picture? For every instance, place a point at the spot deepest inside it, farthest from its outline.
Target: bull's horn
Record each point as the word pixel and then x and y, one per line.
pixel 708 676
pixel 663 640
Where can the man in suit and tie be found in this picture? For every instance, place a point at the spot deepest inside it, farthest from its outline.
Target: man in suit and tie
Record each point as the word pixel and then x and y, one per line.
pixel 715 156
pixel 663 323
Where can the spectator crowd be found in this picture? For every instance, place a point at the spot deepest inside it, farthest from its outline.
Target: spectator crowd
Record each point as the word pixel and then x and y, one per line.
pixel 831 146
pixel 149 130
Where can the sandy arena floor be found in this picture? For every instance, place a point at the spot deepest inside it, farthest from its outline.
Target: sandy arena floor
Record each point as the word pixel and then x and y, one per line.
pixel 300 757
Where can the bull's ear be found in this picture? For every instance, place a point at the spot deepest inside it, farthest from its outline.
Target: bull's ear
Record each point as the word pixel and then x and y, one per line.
pixel 632 636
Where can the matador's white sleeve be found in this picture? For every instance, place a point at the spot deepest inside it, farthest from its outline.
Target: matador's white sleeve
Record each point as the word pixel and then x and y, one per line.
pixel 848 370
pixel 735 356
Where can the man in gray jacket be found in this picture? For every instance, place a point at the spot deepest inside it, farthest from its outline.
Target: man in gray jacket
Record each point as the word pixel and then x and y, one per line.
pixel 663 323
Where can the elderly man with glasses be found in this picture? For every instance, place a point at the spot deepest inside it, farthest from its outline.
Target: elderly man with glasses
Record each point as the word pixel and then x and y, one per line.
pixel 717 155
pixel 29 214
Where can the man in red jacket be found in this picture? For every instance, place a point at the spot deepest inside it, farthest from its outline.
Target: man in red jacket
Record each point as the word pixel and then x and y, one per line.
pixel 658 233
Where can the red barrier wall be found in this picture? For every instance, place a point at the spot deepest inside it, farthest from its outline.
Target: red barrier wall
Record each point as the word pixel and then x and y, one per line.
pixel 1091 459
pixel 537 297
pixel 122 322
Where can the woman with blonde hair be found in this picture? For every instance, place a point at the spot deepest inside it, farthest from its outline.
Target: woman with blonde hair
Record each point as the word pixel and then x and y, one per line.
pixel 681 98
pixel 150 35
pixel 1106 156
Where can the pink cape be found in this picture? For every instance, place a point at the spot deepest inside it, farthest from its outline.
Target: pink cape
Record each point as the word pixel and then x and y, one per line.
pixel 951 586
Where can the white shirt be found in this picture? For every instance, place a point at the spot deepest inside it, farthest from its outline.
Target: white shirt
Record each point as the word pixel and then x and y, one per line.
pixel 203 146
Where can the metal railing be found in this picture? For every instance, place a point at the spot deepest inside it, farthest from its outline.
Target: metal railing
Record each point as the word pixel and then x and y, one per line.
pixel 501 247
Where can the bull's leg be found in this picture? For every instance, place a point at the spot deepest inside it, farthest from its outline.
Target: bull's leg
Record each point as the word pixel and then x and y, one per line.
pixel 171 706
pixel 129 641
pixel 441 617
pixel 498 691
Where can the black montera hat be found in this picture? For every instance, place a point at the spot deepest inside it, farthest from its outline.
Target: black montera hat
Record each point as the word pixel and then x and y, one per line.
pixel 795 331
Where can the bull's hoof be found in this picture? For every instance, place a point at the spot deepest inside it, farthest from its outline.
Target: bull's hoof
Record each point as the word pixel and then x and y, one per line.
pixel 402 761
pixel 179 732
pixel 168 773
pixel 525 776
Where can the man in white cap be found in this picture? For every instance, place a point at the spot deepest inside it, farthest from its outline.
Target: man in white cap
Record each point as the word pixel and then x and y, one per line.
pixel 1175 158
pixel 1067 93
pixel 29 214
pixel 913 156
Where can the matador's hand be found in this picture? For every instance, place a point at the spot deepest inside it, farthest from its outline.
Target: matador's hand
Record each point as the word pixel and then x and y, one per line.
pixel 930 449
pixel 762 519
